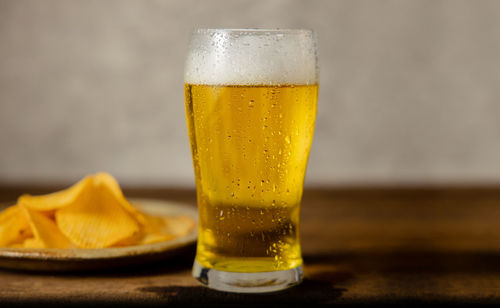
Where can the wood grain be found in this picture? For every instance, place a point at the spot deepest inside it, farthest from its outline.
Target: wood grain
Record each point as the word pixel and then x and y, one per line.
pixel 361 245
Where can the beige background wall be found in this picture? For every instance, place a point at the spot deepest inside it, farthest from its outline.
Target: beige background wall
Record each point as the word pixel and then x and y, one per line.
pixel 410 90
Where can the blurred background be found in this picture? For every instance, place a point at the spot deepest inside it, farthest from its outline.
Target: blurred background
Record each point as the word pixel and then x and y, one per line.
pixel 409 90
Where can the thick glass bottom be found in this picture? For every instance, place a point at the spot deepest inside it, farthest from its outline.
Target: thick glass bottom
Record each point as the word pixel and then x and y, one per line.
pixel 262 282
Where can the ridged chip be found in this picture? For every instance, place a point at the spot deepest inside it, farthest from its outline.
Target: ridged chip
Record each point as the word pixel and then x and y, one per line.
pixel 96 218
pixel 45 231
pixel 93 213
pixel 14 228
pixel 106 179
pixel 178 225
pixel 33 242
pixel 154 228
pixel 55 200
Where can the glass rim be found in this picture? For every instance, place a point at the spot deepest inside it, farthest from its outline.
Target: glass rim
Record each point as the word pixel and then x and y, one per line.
pixel 303 31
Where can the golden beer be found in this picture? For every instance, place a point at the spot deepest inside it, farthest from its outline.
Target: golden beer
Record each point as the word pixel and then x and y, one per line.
pixel 250 145
pixel 251 99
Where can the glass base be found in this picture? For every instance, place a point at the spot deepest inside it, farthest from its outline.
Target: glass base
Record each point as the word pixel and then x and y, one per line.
pixel 247 282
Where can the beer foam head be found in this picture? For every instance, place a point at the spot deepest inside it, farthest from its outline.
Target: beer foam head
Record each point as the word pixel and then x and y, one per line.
pixel 251 57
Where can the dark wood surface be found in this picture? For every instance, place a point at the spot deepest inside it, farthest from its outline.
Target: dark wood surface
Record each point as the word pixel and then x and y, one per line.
pixel 364 245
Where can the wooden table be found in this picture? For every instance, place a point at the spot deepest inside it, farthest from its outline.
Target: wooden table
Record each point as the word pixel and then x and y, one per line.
pixel 363 245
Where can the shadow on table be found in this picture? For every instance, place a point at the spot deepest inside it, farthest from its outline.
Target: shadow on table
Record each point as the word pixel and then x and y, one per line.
pixel 328 277
pixel 317 288
pixel 309 292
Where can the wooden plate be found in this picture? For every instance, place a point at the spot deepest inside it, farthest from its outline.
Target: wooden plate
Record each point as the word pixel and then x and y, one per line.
pixel 54 259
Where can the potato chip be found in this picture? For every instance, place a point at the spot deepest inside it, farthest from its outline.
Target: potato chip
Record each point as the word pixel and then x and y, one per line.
pixel 46 233
pixel 55 200
pixel 106 179
pixel 129 241
pixel 151 238
pixel 96 218
pixel 33 242
pixel 93 213
pixel 154 224
pixel 159 229
pixel 178 225
pixel 153 230
pixel 14 227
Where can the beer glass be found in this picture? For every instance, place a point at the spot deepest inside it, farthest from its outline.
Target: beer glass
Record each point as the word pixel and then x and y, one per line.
pixel 250 99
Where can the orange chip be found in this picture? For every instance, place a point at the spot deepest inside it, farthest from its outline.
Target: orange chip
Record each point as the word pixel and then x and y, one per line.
pixel 151 238
pixel 153 230
pixel 47 235
pixel 106 179
pixel 129 241
pixel 96 218
pixel 159 229
pixel 178 225
pixel 33 242
pixel 154 224
pixel 14 227
pixel 93 213
pixel 55 200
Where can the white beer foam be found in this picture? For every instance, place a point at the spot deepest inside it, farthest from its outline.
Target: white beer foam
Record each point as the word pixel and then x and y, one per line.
pixel 265 57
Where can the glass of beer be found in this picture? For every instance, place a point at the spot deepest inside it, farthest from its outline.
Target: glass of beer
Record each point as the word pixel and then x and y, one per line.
pixel 251 98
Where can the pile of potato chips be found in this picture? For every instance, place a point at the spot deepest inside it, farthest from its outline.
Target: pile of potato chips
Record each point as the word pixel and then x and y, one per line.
pixel 93 213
